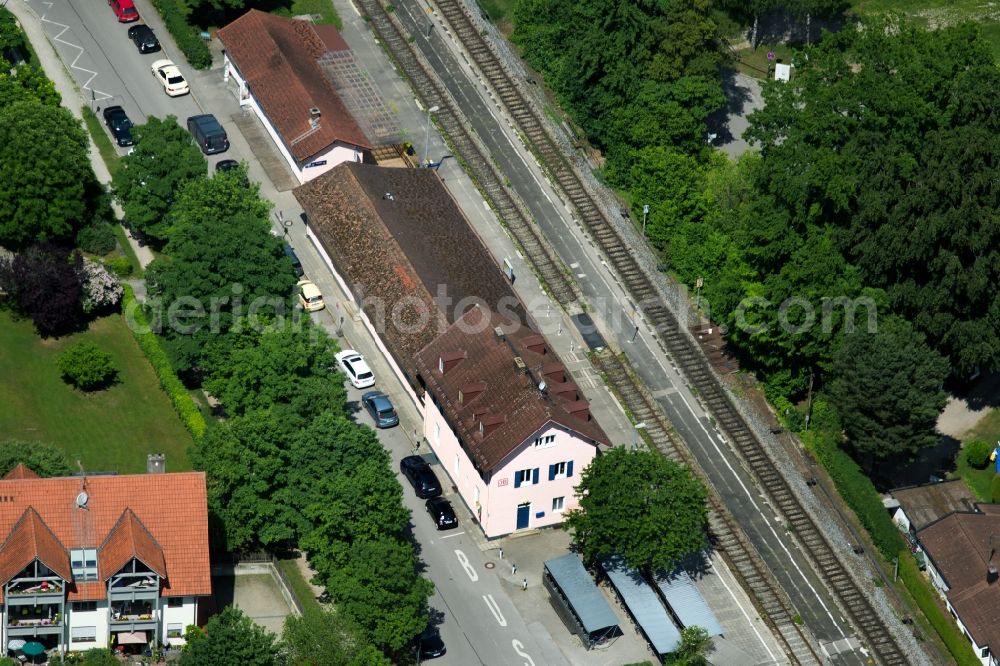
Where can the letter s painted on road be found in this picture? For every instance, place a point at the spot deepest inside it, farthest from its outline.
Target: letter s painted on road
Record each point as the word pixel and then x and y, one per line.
pixel 518 647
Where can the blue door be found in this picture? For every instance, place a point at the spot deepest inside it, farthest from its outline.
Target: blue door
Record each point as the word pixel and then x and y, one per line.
pixel 523 515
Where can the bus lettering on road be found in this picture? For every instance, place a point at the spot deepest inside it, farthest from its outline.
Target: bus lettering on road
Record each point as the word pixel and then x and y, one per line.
pixel 463 559
pixel 519 649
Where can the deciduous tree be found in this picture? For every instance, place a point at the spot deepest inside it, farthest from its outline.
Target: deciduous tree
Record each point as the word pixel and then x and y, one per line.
pixel 42 458
pixel 47 188
pixel 230 638
pixel 45 280
pixel 165 158
pixel 640 505
pixel 87 366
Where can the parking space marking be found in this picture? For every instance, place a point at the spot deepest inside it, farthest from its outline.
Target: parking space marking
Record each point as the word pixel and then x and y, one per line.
pixel 99 95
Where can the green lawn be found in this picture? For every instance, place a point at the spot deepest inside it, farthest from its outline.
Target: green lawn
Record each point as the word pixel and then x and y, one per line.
pixel 755 63
pixel 108 430
pixel 988 430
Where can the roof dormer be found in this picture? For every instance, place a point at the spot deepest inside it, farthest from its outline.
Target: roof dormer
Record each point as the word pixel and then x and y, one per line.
pixel 470 392
pixel 448 360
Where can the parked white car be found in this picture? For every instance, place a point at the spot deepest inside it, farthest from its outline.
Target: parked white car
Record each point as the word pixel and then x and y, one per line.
pixel 310 298
pixel 354 366
pixel 169 76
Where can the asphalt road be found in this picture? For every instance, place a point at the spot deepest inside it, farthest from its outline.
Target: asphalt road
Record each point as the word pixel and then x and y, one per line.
pixel 469 600
pixel 108 67
pixel 612 307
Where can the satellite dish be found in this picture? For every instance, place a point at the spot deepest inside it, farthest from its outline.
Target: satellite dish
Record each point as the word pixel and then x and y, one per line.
pixel 82 499
pixel 542 385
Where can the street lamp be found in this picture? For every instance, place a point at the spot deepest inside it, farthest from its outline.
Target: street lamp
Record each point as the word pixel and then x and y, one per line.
pixel 427 130
pixel 638 426
pixel 645 212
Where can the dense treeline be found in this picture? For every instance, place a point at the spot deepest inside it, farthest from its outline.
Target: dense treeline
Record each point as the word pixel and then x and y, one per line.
pixel 858 247
pixel 286 466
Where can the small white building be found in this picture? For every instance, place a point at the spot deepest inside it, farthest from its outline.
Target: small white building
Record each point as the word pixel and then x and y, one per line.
pixel 104 560
pixel 275 66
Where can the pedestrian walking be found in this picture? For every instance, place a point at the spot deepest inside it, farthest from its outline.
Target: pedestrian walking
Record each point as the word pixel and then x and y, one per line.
pixel 524 585
pixel 513 570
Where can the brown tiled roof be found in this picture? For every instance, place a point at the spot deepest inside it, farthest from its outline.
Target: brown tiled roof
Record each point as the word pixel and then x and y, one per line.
pixel 30 538
pixel 21 471
pixel 129 539
pixel 399 251
pixel 172 508
pixel 962 546
pixel 925 504
pixel 277 57
pixel 510 407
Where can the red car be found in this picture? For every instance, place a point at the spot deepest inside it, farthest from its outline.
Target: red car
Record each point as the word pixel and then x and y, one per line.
pixel 125 10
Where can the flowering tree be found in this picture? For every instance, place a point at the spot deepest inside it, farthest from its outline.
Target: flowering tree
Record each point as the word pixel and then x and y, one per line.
pixel 101 289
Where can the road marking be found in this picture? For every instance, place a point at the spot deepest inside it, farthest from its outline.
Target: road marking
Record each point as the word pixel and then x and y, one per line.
pixel 492 605
pixel 73 65
pixel 469 569
pixel 718 572
pixel 518 647
pixel 452 535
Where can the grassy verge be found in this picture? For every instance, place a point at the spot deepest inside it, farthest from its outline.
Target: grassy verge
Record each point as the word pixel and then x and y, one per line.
pixel 300 587
pixel 927 599
pixel 756 63
pixel 940 13
pixel 988 428
pixel 978 480
pixel 127 250
pixel 104 146
pixel 112 429
pixel 321 8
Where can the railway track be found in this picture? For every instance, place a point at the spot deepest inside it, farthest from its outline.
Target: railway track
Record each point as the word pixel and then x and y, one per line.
pixel 728 539
pixel 467 148
pixel 675 341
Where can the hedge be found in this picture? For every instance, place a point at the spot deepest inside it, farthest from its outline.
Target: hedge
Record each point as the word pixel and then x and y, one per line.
pixel 857 490
pixel 183 404
pixel 925 596
pixel 187 37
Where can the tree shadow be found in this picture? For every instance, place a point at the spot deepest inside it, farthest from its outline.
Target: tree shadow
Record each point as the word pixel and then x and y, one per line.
pixel 982 393
pixel 781 27
pixel 737 97
pixel 931 464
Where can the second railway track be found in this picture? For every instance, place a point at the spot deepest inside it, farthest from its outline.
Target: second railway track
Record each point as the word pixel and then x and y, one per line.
pixel 675 341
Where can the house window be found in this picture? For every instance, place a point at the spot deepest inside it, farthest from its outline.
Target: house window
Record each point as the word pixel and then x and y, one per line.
pixel 985 652
pixel 84 606
pixel 526 477
pixel 547 440
pixel 84 634
pixel 175 602
pixel 557 504
pixel 175 630
pixel 84 563
pixel 561 470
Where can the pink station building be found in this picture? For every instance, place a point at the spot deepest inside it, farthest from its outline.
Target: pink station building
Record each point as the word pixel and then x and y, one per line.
pixel 507 423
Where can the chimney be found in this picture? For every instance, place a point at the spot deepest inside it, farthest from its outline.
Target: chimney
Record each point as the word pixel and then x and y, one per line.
pixel 519 364
pixel 579 409
pixel 156 463
pixel 470 392
pixel 498 331
pixel 535 344
pixel 314 114
pixel 991 575
pixel 449 360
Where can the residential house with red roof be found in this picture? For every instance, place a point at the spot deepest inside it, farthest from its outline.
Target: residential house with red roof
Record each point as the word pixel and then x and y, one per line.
pixel 963 562
pixel 506 421
pixel 88 560
pixel 276 65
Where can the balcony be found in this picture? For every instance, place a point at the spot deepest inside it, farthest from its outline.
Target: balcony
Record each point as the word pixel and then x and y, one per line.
pixel 127 587
pixel 134 616
pixel 34 592
pixel 40 621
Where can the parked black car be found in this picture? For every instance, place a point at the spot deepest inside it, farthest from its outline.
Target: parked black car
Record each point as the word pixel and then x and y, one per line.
pixel 380 408
pixel 144 39
pixel 420 476
pixel 441 512
pixel 294 258
pixel 118 122
pixel 429 644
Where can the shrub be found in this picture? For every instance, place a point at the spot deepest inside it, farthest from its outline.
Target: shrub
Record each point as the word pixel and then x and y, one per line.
pixel 86 366
pixel 97 238
pixel 182 401
pixel 857 490
pixel 995 489
pixel 977 453
pixel 186 36
pixel 120 266
pixel 101 290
